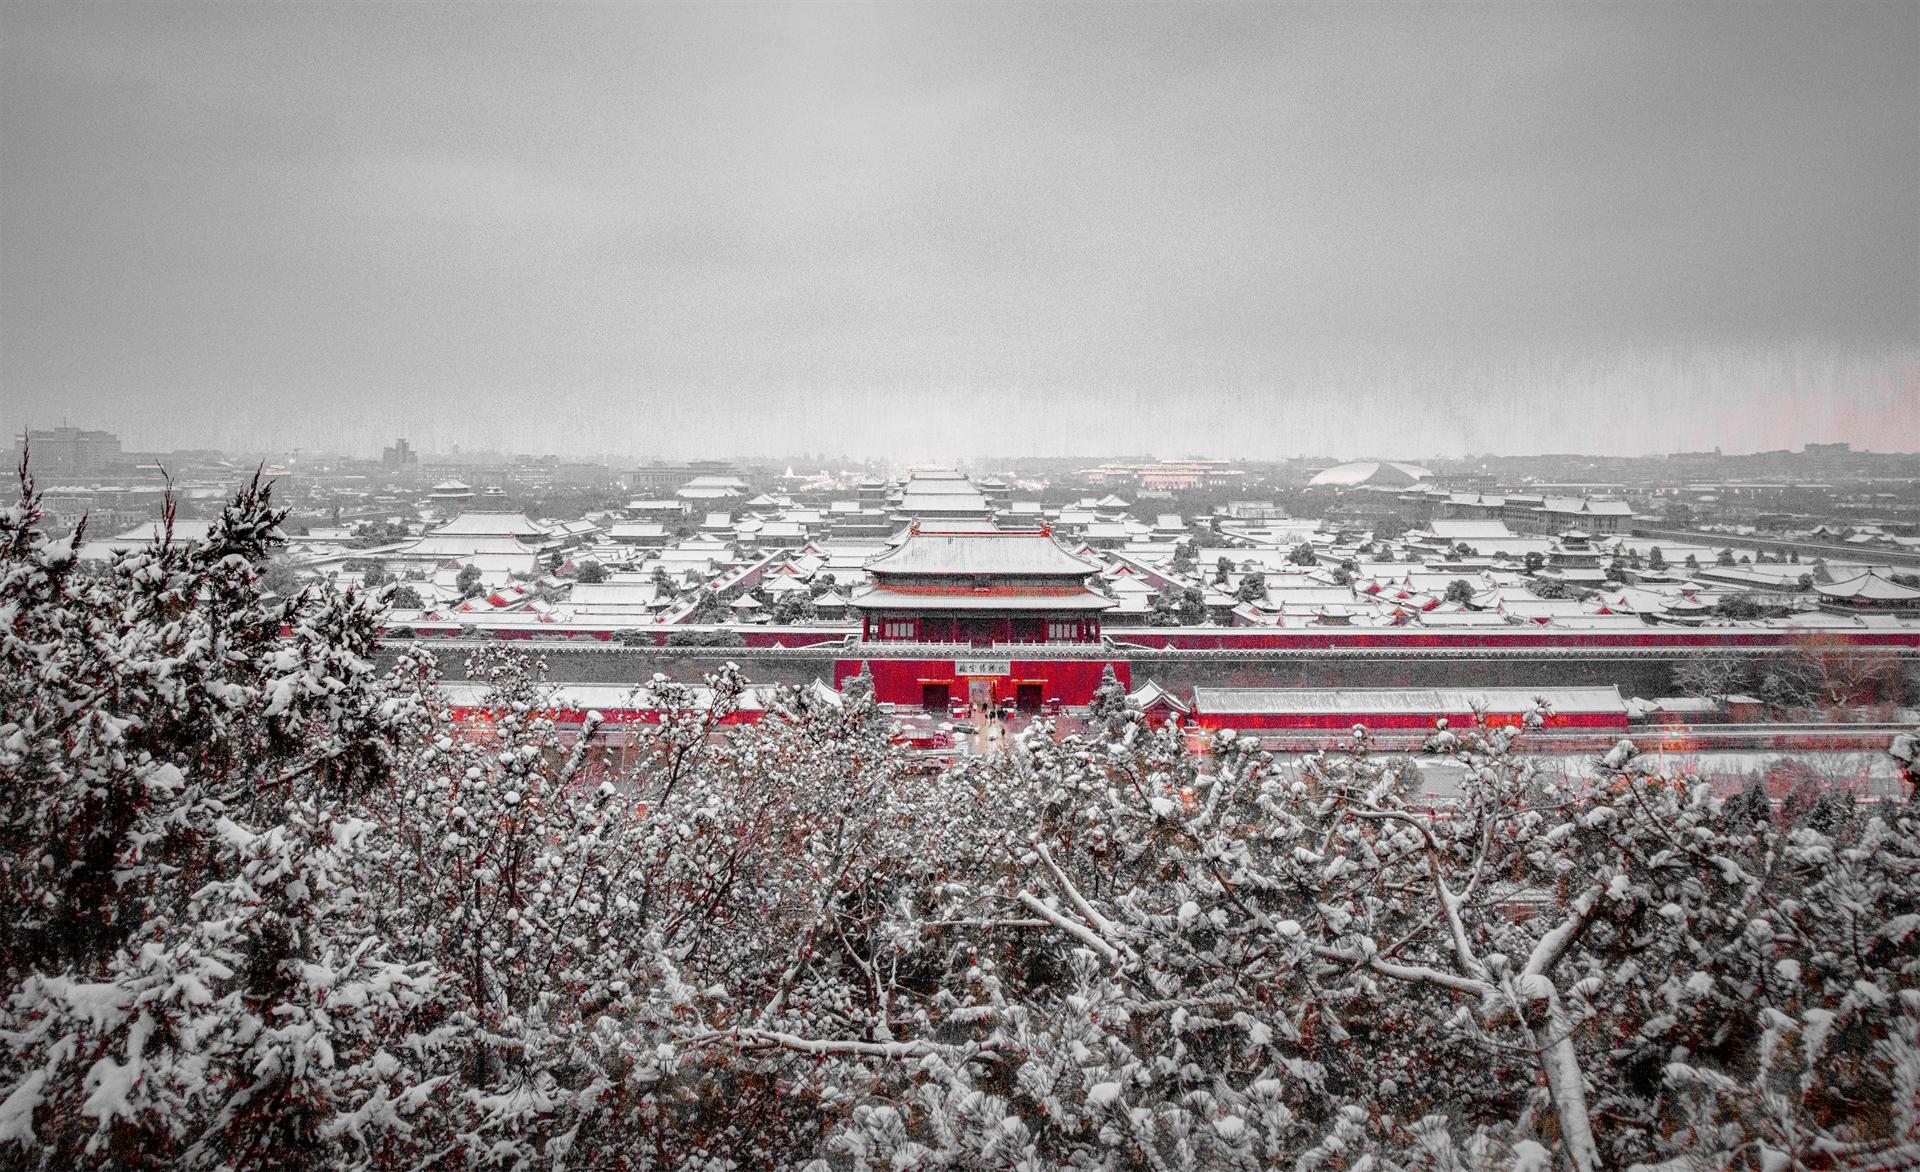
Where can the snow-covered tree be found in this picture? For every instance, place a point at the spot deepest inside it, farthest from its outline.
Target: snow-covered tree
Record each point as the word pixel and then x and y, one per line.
pixel 1109 703
pixel 1709 677
pixel 1905 751
pixel 191 972
pixel 267 906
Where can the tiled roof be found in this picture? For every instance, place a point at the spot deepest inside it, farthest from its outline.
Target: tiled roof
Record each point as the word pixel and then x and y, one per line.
pixel 1868 586
pixel 491 524
pixel 1010 553
pixel 1369 701
pixel 882 598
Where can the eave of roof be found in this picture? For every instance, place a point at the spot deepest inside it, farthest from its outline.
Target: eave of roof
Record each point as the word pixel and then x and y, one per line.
pixel 881 598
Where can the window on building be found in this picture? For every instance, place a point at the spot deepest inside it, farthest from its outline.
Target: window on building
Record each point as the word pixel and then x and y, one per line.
pixel 1062 632
pixel 897 629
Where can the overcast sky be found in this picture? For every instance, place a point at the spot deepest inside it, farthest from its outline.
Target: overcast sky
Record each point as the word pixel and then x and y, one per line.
pixel 919 230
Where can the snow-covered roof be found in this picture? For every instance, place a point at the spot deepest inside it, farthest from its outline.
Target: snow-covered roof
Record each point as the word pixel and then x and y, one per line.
pixel 1151 695
pixel 943 502
pixel 1442 617
pixel 636 530
pixel 1009 553
pixel 1469 530
pixel 438 545
pixel 1867 587
pixel 1365 701
pixel 881 598
pixel 490 525
pixel 145 533
pixel 1586 506
pixel 624 594
pixel 499 565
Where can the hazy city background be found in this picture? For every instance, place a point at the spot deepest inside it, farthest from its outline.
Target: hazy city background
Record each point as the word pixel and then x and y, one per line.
pixel 932 232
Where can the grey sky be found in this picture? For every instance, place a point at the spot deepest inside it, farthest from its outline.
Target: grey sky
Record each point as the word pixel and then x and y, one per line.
pixel 921 230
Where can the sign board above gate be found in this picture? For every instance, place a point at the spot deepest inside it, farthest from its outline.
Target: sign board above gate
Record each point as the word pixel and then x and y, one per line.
pixel 982 667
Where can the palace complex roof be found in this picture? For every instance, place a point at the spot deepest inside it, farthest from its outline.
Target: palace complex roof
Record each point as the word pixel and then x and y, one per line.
pixel 960 598
pixel 1868 587
pixel 1009 553
pixel 492 525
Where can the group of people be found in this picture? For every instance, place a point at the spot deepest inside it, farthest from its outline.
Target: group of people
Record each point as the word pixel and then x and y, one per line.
pixel 991 719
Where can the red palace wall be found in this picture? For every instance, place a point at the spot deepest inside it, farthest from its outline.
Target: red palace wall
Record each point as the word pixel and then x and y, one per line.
pixel 901 681
pixel 1655 639
pixel 1506 639
pixel 656 636
pixel 609 716
pixel 1385 721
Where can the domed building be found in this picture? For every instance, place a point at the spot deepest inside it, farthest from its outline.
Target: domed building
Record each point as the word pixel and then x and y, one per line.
pixel 1371 473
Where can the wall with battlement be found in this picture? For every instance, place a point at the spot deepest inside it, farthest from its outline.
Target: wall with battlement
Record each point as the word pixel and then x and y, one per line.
pixel 1642 673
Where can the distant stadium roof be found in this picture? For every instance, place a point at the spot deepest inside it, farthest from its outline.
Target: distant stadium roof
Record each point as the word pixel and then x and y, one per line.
pixel 1383 472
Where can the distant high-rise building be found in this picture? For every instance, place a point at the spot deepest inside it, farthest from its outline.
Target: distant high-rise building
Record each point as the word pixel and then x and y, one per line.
pixel 400 456
pixel 68 451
